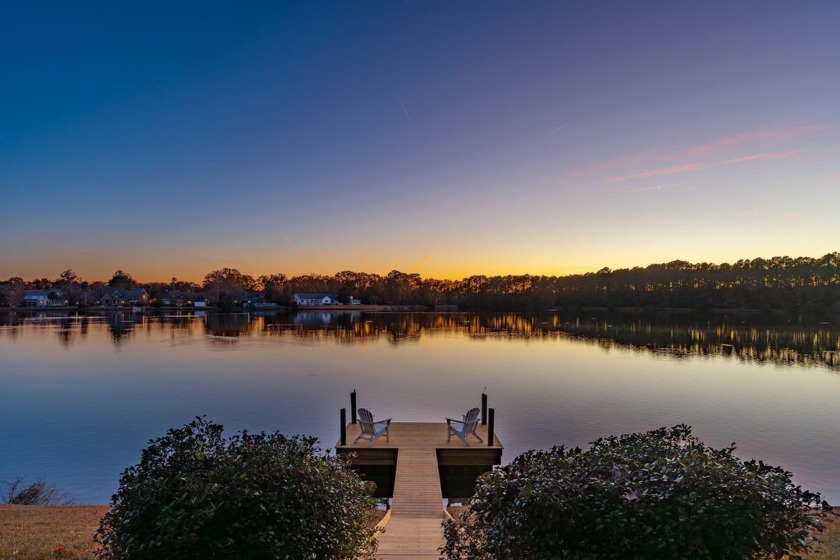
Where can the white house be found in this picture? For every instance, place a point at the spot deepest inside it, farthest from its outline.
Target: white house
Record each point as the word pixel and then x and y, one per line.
pixel 315 299
pixel 41 298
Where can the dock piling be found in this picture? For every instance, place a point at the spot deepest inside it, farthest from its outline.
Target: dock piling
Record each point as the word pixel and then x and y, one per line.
pixel 483 409
pixel 491 427
pixel 353 407
pixel 343 426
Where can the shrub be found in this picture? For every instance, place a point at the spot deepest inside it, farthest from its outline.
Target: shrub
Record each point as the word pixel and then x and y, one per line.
pixel 38 493
pixel 195 494
pixel 659 494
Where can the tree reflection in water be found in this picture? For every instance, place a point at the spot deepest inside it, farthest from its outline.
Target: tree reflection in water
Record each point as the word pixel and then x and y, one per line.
pixel 751 339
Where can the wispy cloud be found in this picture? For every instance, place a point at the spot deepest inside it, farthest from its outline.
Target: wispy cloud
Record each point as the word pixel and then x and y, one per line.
pixel 655 188
pixel 556 130
pixel 757 136
pixel 725 150
pixel 759 157
pixel 422 263
pixel 362 261
pixel 674 169
pixel 407 116
pixel 688 167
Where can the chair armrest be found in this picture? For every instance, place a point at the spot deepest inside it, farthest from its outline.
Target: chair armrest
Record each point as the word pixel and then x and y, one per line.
pixel 386 421
pixel 448 420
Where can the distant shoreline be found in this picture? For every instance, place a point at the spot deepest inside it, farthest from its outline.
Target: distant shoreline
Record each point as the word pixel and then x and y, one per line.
pixel 279 308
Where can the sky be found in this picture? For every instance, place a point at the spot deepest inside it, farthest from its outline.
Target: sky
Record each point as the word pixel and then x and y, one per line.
pixel 169 139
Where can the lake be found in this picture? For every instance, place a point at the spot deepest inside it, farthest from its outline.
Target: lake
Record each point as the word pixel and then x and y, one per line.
pixel 81 395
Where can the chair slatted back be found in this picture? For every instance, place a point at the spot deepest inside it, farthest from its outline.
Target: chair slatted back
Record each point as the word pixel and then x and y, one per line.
pixel 366 422
pixel 471 420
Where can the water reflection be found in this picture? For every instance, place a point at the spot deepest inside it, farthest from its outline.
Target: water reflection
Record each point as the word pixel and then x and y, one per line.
pixel 780 344
pixel 121 326
pixel 231 325
pixel 785 344
pixel 75 387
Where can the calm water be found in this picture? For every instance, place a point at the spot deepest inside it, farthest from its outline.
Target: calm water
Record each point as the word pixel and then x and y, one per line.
pixel 81 396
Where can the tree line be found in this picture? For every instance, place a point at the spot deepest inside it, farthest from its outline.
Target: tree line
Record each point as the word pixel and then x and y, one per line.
pixel 800 284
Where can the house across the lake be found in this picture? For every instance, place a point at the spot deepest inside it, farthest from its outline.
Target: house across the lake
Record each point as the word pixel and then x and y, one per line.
pixel 176 298
pixel 120 296
pixel 44 298
pixel 315 299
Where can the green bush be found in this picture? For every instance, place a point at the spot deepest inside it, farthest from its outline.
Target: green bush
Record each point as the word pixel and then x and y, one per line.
pixel 660 494
pixel 196 494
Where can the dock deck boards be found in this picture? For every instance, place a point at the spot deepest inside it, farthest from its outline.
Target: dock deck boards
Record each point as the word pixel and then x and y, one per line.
pixel 414 530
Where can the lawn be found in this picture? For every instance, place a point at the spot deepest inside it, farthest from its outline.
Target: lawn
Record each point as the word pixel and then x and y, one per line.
pixel 41 532
pixel 830 539
pixel 51 532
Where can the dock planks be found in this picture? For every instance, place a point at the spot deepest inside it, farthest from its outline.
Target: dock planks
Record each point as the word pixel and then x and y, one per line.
pixel 414 530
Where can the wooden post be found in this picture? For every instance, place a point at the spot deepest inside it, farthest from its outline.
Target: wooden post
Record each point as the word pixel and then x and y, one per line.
pixel 491 427
pixel 343 426
pixel 353 407
pixel 483 409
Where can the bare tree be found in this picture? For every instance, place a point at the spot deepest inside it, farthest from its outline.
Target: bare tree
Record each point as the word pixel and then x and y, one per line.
pixel 38 493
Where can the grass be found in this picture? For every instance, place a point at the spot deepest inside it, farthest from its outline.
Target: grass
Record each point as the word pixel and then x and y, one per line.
pixel 66 532
pixel 48 532
pixel 830 539
pixel 59 532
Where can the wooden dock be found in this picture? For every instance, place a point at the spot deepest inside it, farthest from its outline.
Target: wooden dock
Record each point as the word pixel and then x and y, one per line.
pixel 413 529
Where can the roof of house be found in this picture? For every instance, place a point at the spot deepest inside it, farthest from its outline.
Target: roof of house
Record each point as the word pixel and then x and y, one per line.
pixel 121 293
pixel 314 296
pixel 40 293
pixel 178 294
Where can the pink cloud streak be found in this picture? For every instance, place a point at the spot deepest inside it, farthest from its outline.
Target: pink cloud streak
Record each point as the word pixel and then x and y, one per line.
pixel 688 167
pixel 760 157
pixel 655 188
pixel 422 263
pixel 776 135
pixel 652 157
pixel 684 168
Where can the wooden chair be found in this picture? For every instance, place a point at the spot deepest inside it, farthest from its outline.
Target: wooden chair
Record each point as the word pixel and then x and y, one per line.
pixel 468 424
pixel 373 430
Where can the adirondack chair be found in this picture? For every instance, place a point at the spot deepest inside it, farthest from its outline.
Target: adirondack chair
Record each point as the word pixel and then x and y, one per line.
pixel 373 430
pixel 468 424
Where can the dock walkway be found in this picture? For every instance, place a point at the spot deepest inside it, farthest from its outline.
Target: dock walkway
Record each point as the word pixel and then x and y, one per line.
pixel 414 530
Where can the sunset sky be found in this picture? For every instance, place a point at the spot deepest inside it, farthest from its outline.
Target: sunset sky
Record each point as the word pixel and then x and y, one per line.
pixel 444 138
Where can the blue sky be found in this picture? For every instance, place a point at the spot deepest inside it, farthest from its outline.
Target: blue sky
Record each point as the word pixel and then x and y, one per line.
pixel 442 138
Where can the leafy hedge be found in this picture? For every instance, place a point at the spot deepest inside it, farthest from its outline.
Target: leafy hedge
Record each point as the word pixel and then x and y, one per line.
pixel 660 494
pixel 196 494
